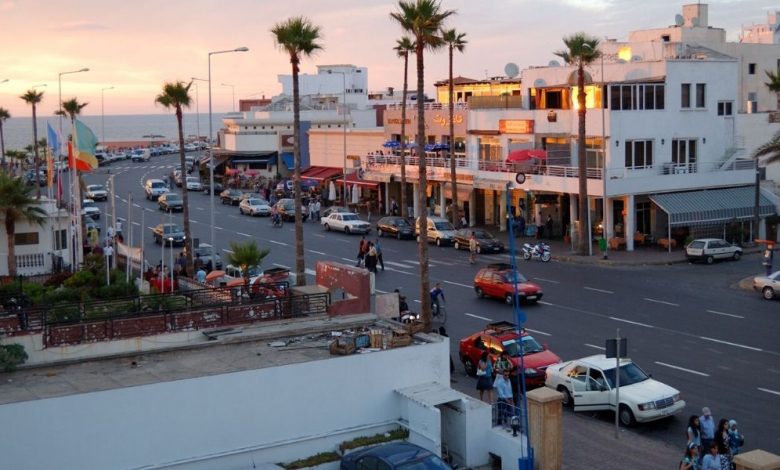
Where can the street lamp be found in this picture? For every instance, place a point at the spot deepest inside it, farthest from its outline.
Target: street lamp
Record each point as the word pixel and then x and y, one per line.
pixel 604 219
pixel 195 81
pixel 211 150
pixel 233 91
pixel 37 86
pixel 103 116
pixel 344 126
pixel 59 90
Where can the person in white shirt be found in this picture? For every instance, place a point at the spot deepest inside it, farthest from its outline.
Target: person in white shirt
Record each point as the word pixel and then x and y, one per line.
pixel 108 251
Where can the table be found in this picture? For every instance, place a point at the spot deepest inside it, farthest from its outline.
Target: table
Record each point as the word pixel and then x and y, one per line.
pixel 665 242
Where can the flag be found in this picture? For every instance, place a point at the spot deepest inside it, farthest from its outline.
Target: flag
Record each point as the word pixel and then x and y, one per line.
pixel 55 143
pixel 85 146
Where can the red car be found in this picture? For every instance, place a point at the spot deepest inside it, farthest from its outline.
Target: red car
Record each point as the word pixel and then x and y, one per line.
pixel 503 336
pixel 496 280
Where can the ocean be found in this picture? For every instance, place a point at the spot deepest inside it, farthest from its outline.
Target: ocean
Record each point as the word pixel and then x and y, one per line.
pixel 17 131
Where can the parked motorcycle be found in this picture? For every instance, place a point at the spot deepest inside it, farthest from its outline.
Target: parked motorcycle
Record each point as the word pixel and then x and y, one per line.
pixel 539 251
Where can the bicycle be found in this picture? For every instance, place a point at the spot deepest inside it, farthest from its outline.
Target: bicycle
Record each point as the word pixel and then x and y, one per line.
pixel 439 312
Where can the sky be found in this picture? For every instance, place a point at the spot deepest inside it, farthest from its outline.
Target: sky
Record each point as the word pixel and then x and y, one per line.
pixel 136 46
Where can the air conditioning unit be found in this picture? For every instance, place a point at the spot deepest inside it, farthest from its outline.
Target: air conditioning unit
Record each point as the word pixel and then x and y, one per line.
pixel 751 107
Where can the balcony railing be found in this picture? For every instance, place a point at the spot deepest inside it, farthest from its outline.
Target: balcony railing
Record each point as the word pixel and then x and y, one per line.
pixel 34 260
pixel 429 106
pixel 496 102
pixel 431 159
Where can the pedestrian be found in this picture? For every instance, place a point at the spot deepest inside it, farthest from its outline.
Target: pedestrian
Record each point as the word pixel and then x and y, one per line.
pixel 108 251
pixel 473 248
pixel 505 399
pixel 707 427
pixel 110 232
pixel 200 274
pixel 393 207
pixel 520 226
pixel 378 248
pixel 539 226
pixel 181 264
pixel 370 260
pixel 690 460
pixel 463 222
pixel 443 332
pixel 548 227
pixel 722 439
pixel 712 460
pixel 317 208
pixel 485 377
pixel 312 211
pixel 198 263
pixel 736 439
pixel 694 432
pixel 362 250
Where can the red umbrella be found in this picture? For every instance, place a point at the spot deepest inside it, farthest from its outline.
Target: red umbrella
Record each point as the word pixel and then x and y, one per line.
pixel 232 171
pixel 526 154
pixel 235 283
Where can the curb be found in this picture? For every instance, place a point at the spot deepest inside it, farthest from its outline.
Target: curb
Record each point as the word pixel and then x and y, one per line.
pixel 596 260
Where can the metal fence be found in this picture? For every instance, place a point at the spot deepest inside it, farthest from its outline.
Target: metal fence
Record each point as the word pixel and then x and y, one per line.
pixel 506 416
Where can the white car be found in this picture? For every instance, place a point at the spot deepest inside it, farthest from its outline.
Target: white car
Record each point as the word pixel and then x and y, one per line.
pixel 235 272
pixel 254 206
pixel 348 222
pixel 141 155
pixel 193 184
pixel 89 208
pixel 711 249
pixel 97 192
pixel 190 147
pixel 154 188
pixel 588 384
pixel 769 286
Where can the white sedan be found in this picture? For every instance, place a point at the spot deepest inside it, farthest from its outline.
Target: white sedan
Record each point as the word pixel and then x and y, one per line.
pixel 769 286
pixel 193 184
pixel 347 222
pixel 588 384
pixel 97 192
pixel 89 208
pixel 255 206
pixel 711 249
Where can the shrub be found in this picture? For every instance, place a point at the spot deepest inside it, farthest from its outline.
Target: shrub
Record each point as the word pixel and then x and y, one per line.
pixel 81 279
pixel 11 355
pixel 313 461
pixel 63 312
pixel 394 435
pixel 57 279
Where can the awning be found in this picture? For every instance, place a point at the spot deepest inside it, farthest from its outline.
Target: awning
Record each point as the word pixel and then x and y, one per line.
pixel 352 178
pixel 320 173
pixel 526 154
pixel 713 206
pixel 289 160
pixel 268 161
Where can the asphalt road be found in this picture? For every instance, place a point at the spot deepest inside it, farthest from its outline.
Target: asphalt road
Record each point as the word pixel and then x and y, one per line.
pixel 687 325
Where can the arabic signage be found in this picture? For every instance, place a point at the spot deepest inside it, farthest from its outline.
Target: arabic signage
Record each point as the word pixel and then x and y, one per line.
pixel 495 185
pixel 516 126
pixel 437 122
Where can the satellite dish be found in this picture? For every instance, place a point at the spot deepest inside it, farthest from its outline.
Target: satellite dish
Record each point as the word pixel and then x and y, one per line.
pixel 539 82
pixel 695 21
pixel 511 70
pixel 678 19
pixel 554 63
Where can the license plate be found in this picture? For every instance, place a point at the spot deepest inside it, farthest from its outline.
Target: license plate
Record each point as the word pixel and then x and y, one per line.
pixel 531 297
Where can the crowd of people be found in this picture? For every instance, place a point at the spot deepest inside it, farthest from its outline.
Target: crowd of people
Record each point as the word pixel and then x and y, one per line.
pixel 711 446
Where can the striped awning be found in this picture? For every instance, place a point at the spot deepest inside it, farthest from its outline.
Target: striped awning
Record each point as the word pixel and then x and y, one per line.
pixel 712 206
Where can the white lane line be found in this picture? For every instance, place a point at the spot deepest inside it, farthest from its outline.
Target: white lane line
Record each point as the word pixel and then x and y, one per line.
pixel 152 228
pixel 310 272
pixel 226 250
pixel 136 224
pixel 600 348
pixel 410 261
pixel 243 234
pixel 603 291
pixel 682 369
pixel 543 302
pixel 393 263
pixel 539 332
pixel 730 344
pixel 136 205
pixel 218 228
pixel 724 314
pixel 458 284
pixel 343 241
pixel 399 271
pixel 632 322
pixel 233 216
pixel 317 252
pixel 547 280
pixel 348 259
pixel 774 392
pixel 417 301
pixel 282 266
pixel 201 208
pixel 276 242
pixel 319 235
pixel 661 302
pixel 477 316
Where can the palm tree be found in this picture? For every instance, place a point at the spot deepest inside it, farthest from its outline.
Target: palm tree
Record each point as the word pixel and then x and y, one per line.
pixel 422 19
pixel 771 150
pixel 176 95
pixel 581 50
pixel 298 37
pixel 71 109
pixel 4 114
pixel 246 255
pixel 32 98
pixel 16 204
pixel 403 47
pixel 455 42
pixel 774 83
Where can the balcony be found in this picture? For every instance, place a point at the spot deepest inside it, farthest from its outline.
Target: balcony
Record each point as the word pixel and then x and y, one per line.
pixel 496 102
pixel 428 106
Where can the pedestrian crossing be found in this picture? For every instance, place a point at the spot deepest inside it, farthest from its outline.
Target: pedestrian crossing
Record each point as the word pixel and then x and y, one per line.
pixel 153 167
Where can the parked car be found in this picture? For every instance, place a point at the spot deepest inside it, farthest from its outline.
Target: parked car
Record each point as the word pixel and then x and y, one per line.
pixel 230 196
pixel 193 184
pixel 177 179
pixel 170 232
pixel 189 162
pixel 255 206
pixel 503 336
pixel 29 177
pixel 394 226
pixel 588 384
pixel 286 208
pixel 711 249
pixel 769 286
pixel 154 188
pixel 90 223
pixel 190 147
pixel 497 280
pixel 347 222
pixel 440 230
pixel 141 155
pixel 170 202
pixel 90 209
pixel 392 456
pixel 486 242
pixel 235 272
pixel 217 188
pixel 96 192
pixel 205 251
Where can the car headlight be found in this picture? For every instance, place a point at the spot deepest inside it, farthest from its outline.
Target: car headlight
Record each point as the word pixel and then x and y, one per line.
pixel 530 371
pixel 647 406
pixel 676 397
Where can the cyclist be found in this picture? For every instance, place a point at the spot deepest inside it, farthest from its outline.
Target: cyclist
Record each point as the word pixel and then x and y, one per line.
pixel 436 294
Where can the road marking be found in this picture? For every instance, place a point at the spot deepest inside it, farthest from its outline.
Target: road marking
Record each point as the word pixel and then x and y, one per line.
pixel 411 261
pixel 276 242
pixel 477 316
pixel 226 250
pixel 218 228
pixel 319 235
pixel 543 302
pixel 546 280
pixel 402 272
pixel 317 252
pixel 419 302
pixel 730 344
pixel 136 224
pixel 348 259
pixel 603 291
pixel 539 332
pixel 661 302
pixel 343 241
pixel 458 284
pixel 136 205
pixel 774 392
pixel 201 208
pixel 393 263
pixel 282 266
pixel 724 314
pixel 310 272
pixel 595 347
pixel 243 234
pixel 682 369
pixel 632 322
pixel 150 228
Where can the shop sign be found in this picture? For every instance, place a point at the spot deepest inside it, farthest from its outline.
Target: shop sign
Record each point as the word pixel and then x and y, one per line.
pixel 516 126
pixel 495 185
pixel 287 142
pixel 353 157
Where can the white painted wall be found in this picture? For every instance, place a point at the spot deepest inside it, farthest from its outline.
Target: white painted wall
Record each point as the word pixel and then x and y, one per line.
pixel 54 220
pixel 326 146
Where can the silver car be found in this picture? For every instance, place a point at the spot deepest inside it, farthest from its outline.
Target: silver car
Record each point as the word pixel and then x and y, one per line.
pixel 711 249
pixel 769 286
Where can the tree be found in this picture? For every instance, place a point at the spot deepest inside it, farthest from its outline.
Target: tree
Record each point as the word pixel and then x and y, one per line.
pixel 774 80
pixel 770 150
pixel 71 109
pixel 422 19
pixel 16 204
pixel 176 95
pixel 4 115
pixel 32 98
pixel 455 42
pixel 246 255
pixel 582 50
pixel 403 47
pixel 298 37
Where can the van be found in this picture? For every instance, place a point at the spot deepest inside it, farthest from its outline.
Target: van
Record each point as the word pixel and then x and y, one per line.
pixel 440 230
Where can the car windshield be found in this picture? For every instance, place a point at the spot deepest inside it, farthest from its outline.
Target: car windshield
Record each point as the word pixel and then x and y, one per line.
pixel 158 184
pixel 483 234
pixel 401 223
pixel 192 179
pixel 255 271
pixel 629 374
pixel 203 251
pixel 508 276
pixel 443 226
pixel 256 202
pixel 95 187
pixel 171 229
pixel 696 245
pixel 173 198
pixel 430 462
pixel 89 204
pixel 350 217
pixel 529 346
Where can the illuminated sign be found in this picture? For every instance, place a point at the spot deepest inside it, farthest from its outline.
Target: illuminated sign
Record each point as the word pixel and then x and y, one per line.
pixel 516 126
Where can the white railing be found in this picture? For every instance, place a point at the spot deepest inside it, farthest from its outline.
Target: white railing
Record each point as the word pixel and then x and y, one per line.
pixel 35 260
pixel 430 159
pixel 429 106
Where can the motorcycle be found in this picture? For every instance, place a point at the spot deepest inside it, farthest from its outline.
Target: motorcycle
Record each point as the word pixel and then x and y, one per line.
pixel 539 251
pixel 276 220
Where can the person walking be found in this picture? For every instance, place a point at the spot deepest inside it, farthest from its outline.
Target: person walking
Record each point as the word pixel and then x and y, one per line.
pixel 362 250
pixel 379 259
pixel 707 427
pixel 694 432
pixel 437 297
pixel 108 251
pixel 317 209
pixel 539 226
pixel 485 378
pixel 473 248
pixel 548 227
pixel 393 207
pixel 505 400
pixel 312 211
pixel 736 439
pixel 690 460
pixel 371 258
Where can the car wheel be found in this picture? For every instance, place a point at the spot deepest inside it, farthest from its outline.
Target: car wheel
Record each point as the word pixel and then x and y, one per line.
pixel 710 259
pixel 468 366
pixel 346 230
pixel 480 293
pixel 568 401
pixel 626 416
pixel 509 299
pixel 768 293
pixel 526 255
pixel 327 228
pixel 736 256
pixel 457 246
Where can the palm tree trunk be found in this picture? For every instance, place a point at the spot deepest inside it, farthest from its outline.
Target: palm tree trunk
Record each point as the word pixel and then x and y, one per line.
pixel 184 195
pixel 403 137
pixel 35 152
pixel 454 206
pixel 9 233
pixel 582 164
pixel 422 189
pixel 2 145
pixel 300 265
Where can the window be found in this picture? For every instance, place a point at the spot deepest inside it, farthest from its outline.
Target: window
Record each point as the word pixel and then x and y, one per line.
pixel 725 108
pixel 639 154
pixel 700 94
pixel 61 239
pixel 751 69
pixel 685 95
pixel 684 152
pixel 28 238
pixel 637 97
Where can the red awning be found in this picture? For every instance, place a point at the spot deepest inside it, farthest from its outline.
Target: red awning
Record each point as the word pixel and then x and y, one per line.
pixel 526 154
pixel 352 178
pixel 320 173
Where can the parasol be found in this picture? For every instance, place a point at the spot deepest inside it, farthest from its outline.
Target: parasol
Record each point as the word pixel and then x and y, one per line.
pixel 526 154
pixel 214 275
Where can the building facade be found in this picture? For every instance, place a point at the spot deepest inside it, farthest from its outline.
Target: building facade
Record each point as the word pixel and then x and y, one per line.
pixel 40 248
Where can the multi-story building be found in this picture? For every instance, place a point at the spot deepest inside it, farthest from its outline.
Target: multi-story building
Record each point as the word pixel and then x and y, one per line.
pixel 40 248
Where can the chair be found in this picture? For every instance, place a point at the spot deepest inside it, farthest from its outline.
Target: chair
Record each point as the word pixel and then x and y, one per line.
pixel 615 243
pixel 639 238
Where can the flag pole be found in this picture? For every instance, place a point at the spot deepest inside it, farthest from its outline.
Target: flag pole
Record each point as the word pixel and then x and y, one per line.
pixel 79 236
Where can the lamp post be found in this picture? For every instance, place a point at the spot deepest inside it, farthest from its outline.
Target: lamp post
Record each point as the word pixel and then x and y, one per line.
pixel 59 91
pixel 233 94
pixel 103 116
pixel 344 126
pixel 604 218
pixel 195 81
pixel 211 150
pixel 35 86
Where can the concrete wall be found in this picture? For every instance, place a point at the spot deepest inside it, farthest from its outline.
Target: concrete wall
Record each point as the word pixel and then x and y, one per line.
pixel 327 145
